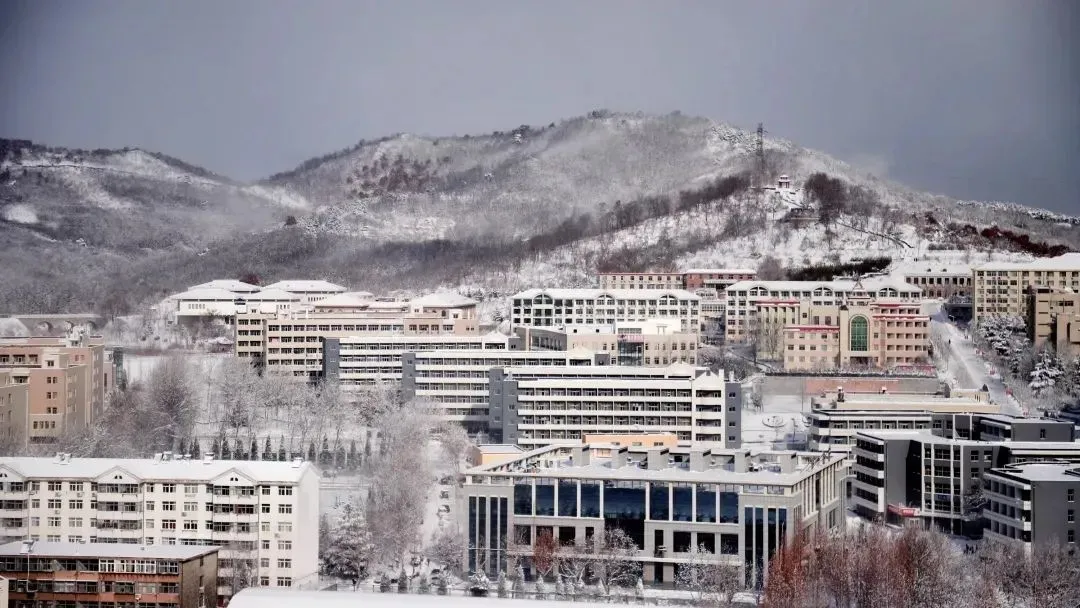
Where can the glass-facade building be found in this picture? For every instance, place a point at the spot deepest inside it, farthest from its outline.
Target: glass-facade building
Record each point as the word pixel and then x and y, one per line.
pixel 741 517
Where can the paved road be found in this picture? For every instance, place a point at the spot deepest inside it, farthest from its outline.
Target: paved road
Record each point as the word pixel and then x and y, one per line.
pixel 969 369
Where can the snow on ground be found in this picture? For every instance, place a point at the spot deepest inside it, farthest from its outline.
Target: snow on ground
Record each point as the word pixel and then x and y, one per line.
pixel 780 421
pixel 967 367
pixel 20 214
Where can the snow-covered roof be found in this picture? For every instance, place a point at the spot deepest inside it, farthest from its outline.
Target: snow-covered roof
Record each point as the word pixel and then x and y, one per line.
pixel 269 597
pixel 443 299
pixel 307 286
pixel 933 268
pixel 1068 261
pixel 500 448
pixel 388 305
pixel 586 294
pixel 720 271
pixel 349 299
pixel 228 285
pixel 205 293
pixel 149 469
pixel 1042 471
pixel 107 550
pixel 869 284
pixel 271 294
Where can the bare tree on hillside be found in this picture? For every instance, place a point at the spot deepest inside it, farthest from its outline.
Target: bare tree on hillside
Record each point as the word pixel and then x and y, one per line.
pixel 770 269
pixel 170 389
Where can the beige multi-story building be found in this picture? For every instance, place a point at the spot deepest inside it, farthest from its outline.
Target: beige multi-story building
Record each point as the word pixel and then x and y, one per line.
pixel 67 379
pixel 262 514
pixel 716 278
pixel 561 307
pixel 656 342
pixel 744 298
pixel 999 288
pixel 1053 317
pixel 641 280
pixel 873 334
pixel 938 279
pixel 292 342
pixel 14 408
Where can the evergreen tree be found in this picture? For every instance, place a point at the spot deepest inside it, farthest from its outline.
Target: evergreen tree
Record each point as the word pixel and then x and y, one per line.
pixel 423 586
pixel 339 457
pixel 238 450
pixel 367 447
pixel 215 448
pixel 403 581
pixel 502 586
pixel 281 455
pixel 324 454
pixel 311 452
pixel 268 453
pixel 354 456
pixel 226 453
pixel 196 453
pixel 254 449
pixel 443 587
pixel 349 546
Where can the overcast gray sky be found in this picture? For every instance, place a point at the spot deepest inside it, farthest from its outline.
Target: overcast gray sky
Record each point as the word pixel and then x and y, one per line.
pixel 972 98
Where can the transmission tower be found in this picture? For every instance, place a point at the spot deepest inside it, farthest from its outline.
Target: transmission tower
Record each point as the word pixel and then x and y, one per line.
pixel 761 153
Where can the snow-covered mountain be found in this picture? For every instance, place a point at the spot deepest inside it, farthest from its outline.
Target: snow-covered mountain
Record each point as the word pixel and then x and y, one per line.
pixel 534 205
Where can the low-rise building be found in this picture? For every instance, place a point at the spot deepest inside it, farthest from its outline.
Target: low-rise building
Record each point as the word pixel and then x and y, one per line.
pixel 900 475
pixel 641 280
pixel 79 574
pixel 999 288
pixel 536 406
pixel 66 378
pixel 1032 504
pixel 740 506
pixel 654 342
pixel 835 419
pixel 716 278
pixel 562 307
pixel 259 513
pixel 309 291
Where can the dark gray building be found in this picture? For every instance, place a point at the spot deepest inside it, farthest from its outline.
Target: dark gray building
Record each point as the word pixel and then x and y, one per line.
pixel 1033 503
pixel 900 475
pixel 1001 427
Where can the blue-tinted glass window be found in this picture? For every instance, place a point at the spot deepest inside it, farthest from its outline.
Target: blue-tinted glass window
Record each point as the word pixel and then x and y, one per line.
pixel 729 507
pixel 567 499
pixel 658 502
pixel 523 499
pixel 590 500
pixel 624 503
pixel 706 503
pixel 545 499
pixel 682 503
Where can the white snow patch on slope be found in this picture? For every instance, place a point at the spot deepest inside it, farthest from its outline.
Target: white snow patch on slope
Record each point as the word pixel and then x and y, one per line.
pixel 89 190
pixel 20 214
pixel 286 197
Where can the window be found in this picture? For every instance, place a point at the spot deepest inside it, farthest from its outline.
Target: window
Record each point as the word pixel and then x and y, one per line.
pixel 284 581
pixel 284 509
pixel 191 488
pixel 1070 495
pixel 168 524
pixel 54 522
pixel 168 505
pixel 55 503
pixel 284 562
pixel 75 522
pixel 168 488
pixel 284 490
pixel 284 526
pixel 284 545
pixel 264 508
pixel 858 330
pixel 264 562
pixel 266 545
pixel 191 506
pixel 75 504
pixel 149 505
pixel 191 525
pixel 264 490
pixel 55 486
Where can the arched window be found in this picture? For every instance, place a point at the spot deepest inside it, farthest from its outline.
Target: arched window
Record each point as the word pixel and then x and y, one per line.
pixel 858 329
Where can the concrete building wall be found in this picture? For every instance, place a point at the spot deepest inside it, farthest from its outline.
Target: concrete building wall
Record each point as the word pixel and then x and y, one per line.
pixel 816 385
pixel 1000 288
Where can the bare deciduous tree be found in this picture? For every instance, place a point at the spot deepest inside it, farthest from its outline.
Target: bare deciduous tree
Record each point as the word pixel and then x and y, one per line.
pixel 447 549
pixel 617 562
pixel 713 581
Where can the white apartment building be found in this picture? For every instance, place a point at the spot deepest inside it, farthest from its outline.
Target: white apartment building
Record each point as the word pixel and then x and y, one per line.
pixel 999 288
pixel 457 380
pixel 371 360
pixel 263 512
pixel 561 307
pixel 744 297
pixel 538 406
